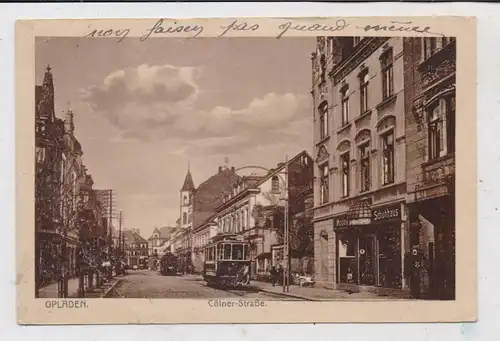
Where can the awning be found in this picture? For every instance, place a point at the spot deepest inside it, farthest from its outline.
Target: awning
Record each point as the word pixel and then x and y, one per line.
pixel 359 213
pixel 264 255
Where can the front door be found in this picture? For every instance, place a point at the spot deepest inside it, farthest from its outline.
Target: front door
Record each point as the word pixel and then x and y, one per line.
pixel 366 260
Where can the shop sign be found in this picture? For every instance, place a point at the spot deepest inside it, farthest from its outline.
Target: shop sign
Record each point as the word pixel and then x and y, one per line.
pixel 342 221
pixel 392 212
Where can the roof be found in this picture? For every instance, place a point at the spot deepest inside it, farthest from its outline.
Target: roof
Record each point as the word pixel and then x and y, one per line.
pixel 210 194
pixel 131 237
pixel 188 183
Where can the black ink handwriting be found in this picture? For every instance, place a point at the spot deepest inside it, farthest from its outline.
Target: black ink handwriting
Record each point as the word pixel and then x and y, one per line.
pixel 284 28
pixel 120 33
pixel 238 26
pixel 175 28
pixel 397 26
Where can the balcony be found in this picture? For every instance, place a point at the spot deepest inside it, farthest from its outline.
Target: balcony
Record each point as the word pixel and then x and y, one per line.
pixel 439 66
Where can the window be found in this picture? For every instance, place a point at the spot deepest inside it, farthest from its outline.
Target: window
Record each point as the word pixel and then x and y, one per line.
pixel 441 122
pixel 323 122
pixel 40 154
pixel 388 158
pixel 184 218
pixel 237 252
pixel 323 68
pixel 344 159
pixel 244 220
pixel 364 156
pixel 238 222
pixel 363 92
pixel 324 184
pixel 185 200
pixel 432 45
pixel 450 124
pixel 357 40
pixel 275 184
pixel 345 106
pixel 227 251
pixel 386 61
pixel 435 134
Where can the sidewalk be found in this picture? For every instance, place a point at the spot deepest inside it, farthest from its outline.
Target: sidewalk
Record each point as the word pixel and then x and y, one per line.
pixel 50 291
pixel 318 294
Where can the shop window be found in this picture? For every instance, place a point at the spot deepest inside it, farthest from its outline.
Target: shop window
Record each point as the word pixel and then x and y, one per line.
pixel 344 94
pixel 388 158
pixel 363 92
pixel 348 266
pixel 386 63
pixel 324 184
pixel 389 246
pixel 344 162
pixel 364 174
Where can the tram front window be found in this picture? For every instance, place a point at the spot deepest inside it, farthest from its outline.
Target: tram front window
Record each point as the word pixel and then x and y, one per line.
pixel 237 252
pixel 227 251
pixel 247 252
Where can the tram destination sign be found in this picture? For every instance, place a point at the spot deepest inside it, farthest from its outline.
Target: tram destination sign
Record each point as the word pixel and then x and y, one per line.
pixel 392 212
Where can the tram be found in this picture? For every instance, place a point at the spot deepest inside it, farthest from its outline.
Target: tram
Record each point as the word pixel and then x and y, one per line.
pixel 227 262
pixel 169 264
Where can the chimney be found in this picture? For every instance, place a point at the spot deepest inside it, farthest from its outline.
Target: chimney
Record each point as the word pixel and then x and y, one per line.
pixel 69 126
pixel 220 169
pixel 233 169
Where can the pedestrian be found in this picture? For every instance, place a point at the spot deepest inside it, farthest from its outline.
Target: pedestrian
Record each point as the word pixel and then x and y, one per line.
pixel 273 275
pixel 280 274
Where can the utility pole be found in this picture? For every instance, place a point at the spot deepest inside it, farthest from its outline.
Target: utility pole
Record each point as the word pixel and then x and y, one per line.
pixel 286 251
pixel 120 220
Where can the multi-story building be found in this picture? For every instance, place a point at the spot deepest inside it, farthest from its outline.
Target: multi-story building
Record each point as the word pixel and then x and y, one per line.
pixel 59 202
pixel 136 248
pixel 158 239
pixel 201 237
pixel 255 209
pixel 196 206
pixel 360 216
pixel 430 65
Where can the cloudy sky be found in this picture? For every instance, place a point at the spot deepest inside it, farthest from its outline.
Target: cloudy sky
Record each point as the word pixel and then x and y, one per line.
pixel 143 110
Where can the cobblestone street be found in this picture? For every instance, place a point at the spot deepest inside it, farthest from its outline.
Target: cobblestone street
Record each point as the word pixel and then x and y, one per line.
pixel 150 284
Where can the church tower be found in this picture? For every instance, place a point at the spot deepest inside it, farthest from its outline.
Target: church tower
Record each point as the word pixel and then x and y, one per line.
pixel 186 196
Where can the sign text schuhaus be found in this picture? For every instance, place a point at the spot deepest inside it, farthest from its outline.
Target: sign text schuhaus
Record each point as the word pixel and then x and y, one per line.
pixel 387 213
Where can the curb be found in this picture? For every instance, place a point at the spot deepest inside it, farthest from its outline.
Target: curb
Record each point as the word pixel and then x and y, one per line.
pixel 290 295
pixel 108 290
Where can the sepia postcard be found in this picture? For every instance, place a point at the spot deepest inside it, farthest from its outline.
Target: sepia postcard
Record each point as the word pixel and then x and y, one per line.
pixel 246 170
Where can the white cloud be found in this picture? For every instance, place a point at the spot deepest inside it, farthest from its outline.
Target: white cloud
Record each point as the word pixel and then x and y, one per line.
pixel 159 103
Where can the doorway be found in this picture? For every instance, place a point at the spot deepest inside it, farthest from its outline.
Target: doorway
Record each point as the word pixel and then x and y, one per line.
pixel 367 260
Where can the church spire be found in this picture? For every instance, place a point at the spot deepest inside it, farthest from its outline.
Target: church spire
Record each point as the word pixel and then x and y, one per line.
pixel 188 182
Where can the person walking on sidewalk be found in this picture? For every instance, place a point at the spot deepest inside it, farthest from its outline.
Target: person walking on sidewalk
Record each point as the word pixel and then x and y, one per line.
pixel 274 275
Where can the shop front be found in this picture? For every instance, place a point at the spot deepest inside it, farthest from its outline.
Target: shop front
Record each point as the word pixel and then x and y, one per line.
pixel 369 252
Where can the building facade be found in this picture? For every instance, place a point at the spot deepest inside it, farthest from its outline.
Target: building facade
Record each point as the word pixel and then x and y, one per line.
pixel 197 205
pixel 67 219
pixel 360 215
pixel 430 65
pixel 201 237
pixel 255 209
pixel 135 248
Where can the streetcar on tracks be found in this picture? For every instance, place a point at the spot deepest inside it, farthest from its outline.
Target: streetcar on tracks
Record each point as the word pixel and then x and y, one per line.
pixel 169 264
pixel 227 262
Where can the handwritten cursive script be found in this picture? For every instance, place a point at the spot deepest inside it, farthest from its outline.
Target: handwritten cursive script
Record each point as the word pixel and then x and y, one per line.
pixel 238 26
pixel 158 28
pixel 120 33
pixel 340 25
pixel 397 26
